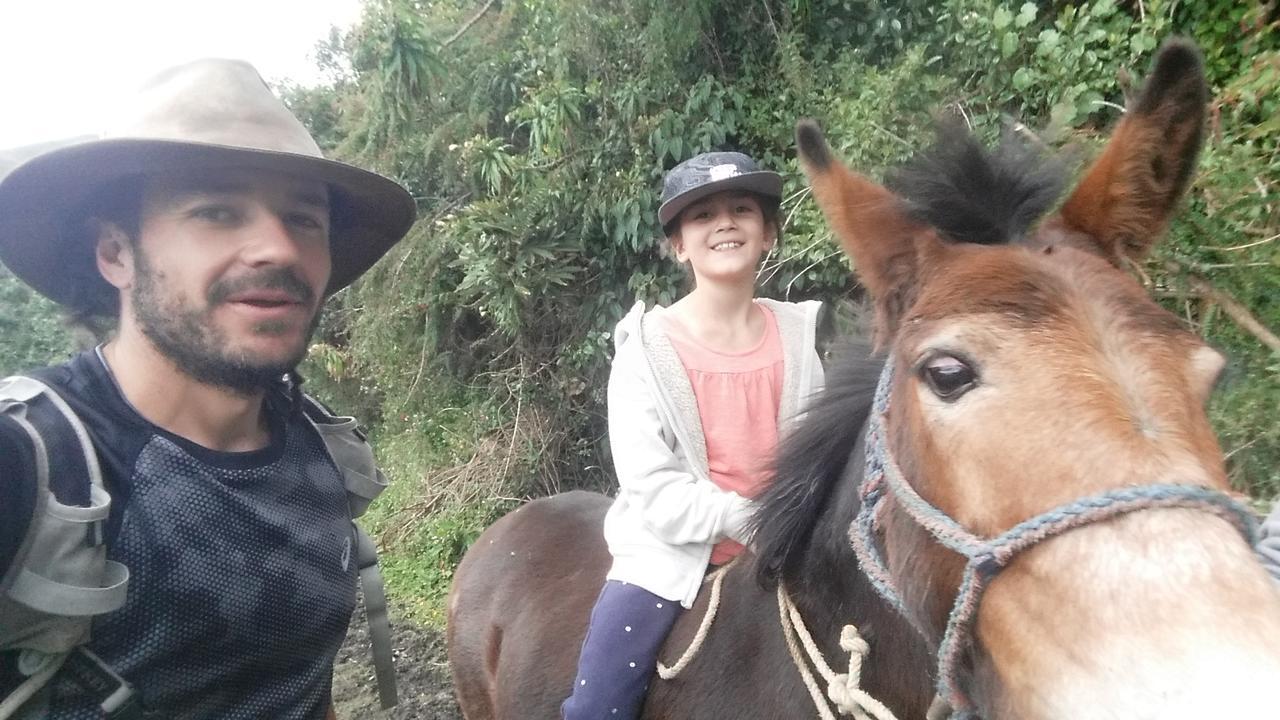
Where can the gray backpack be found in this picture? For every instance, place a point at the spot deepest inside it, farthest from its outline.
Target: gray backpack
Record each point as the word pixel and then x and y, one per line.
pixel 60 578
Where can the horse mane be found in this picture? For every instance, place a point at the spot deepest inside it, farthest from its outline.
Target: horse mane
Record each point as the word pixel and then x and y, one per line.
pixel 811 459
pixel 973 195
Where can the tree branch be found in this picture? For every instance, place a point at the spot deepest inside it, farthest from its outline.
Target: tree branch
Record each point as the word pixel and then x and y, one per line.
pixel 467 25
pixel 1232 307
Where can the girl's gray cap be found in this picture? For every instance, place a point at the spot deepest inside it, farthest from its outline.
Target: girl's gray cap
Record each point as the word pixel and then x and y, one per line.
pixel 710 173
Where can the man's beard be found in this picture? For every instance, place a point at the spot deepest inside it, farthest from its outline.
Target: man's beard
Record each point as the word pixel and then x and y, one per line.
pixel 188 337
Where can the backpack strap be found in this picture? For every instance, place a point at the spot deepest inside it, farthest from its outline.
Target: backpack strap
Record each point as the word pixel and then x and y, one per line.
pixel 60 577
pixel 61 568
pixel 375 608
pixel 349 449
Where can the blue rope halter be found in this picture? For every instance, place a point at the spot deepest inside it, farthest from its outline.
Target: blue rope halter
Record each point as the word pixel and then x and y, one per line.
pixel 986 557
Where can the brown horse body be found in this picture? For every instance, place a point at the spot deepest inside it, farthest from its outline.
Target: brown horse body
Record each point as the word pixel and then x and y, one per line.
pixel 1031 371
pixel 523 596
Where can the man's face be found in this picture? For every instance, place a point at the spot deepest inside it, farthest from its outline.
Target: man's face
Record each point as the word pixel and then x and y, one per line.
pixel 230 267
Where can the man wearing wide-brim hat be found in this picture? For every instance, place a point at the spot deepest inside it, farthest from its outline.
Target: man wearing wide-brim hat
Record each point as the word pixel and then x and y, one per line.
pixel 209 223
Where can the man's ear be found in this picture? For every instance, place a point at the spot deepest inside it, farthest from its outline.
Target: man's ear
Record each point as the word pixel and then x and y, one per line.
pixel 114 253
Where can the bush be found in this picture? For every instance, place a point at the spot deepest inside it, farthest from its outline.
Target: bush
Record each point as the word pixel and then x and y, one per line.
pixel 31 330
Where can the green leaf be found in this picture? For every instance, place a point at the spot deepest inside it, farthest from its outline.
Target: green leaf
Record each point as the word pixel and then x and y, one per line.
pixel 1026 15
pixel 1002 18
pixel 1008 44
pixel 1063 115
pixel 1048 41
pixel 1023 79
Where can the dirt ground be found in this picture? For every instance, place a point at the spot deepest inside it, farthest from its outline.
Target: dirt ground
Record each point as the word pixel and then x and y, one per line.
pixel 422 674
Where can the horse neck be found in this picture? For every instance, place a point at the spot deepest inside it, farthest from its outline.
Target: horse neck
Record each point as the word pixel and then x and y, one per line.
pixel 828 586
pixel 831 591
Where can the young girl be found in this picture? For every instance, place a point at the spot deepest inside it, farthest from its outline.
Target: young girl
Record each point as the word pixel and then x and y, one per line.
pixel 698 393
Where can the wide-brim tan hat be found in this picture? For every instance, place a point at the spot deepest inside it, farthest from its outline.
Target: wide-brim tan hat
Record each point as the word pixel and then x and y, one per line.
pixel 208 113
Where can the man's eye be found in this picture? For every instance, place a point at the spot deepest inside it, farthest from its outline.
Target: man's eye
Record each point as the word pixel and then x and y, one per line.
pixel 303 220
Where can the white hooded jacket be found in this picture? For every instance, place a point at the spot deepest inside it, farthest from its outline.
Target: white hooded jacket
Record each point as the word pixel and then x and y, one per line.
pixel 668 513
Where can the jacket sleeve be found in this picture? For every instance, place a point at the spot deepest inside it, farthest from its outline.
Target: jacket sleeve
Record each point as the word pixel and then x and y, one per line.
pixel 676 506
pixel 1269 543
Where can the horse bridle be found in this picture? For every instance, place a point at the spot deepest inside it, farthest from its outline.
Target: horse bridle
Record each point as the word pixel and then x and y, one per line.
pixel 986 557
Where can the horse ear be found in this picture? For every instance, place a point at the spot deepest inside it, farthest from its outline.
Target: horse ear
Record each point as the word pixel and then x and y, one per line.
pixel 1126 199
pixel 872 224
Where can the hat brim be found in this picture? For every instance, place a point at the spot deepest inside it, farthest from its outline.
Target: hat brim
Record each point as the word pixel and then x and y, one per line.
pixel 762 182
pixel 369 213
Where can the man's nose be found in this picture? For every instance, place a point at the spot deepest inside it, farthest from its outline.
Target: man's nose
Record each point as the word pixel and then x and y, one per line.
pixel 270 242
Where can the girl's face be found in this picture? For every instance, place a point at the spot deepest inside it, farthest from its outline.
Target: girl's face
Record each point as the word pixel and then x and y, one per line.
pixel 723 237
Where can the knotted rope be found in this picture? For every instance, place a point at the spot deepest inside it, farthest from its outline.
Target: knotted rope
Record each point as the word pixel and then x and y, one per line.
pixel 843 689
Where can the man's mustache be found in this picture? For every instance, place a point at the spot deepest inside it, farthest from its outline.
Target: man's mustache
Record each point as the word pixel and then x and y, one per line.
pixel 282 279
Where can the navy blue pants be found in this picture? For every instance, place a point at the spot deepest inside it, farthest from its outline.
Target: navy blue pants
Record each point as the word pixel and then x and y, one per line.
pixel 620 653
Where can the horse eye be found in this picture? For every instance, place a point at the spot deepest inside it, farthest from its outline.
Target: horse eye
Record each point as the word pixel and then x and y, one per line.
pixel 948 377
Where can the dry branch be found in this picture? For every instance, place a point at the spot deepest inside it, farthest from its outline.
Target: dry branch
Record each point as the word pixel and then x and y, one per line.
pixel 467 25
pixel 1232 307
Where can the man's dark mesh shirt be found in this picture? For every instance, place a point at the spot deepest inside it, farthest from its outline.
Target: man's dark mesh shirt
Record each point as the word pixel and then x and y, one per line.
pixel 242 576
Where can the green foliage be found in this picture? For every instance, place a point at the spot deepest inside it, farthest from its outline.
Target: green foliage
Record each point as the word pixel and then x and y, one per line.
pixel 394 51
pixel 536 139
pixel 1016 60
pixel 422 568
pixel 1230 33
pixel 31 331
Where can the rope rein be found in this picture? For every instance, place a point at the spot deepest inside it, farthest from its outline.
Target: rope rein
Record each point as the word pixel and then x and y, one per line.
pixel 713 605
pixel 844 689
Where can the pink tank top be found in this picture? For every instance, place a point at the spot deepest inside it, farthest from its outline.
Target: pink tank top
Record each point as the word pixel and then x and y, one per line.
pixel 738 396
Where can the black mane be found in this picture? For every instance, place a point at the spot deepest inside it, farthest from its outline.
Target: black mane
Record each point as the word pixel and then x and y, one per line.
pixel 975 196
pixel 812 459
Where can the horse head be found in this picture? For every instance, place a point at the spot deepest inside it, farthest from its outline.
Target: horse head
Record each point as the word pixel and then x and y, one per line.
pixel 1029 371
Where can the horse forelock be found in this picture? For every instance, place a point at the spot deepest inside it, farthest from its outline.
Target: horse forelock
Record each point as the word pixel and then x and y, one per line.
pixel 811 460
pixel 973 195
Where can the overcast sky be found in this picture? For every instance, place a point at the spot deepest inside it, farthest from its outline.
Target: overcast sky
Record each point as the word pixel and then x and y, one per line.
pixel 62 62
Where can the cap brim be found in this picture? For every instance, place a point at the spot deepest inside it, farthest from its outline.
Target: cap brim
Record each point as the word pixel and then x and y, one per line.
pixel 762 182
pixel 370 213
